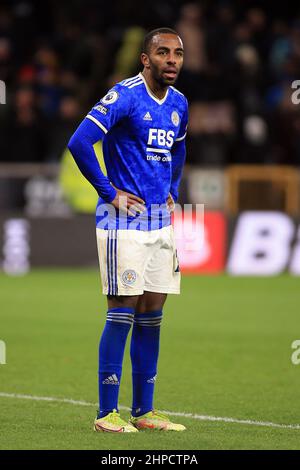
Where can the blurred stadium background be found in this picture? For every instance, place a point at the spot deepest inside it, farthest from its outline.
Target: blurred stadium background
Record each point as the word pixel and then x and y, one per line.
pixel 241 59
pixel 242 63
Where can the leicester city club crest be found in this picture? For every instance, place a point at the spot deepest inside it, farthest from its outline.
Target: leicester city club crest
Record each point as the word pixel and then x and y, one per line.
pixel 129 277
pixel 175 118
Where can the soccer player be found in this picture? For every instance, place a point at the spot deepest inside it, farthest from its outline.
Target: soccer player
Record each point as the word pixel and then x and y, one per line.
pixel 142 122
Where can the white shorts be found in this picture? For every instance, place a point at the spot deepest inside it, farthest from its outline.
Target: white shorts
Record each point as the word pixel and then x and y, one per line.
pixel 134 261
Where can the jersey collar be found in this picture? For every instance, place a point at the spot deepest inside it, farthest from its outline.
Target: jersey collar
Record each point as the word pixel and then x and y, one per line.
pixel 150 92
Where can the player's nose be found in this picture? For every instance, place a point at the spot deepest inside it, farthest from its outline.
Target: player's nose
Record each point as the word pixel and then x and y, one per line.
pixel 172 60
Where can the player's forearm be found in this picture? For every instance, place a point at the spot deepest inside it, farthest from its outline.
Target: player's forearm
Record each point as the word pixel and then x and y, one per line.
pixel 178 160
pixel 81 147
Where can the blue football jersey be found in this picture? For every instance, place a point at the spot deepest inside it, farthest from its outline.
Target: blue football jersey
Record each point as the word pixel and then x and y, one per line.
pixel 140 132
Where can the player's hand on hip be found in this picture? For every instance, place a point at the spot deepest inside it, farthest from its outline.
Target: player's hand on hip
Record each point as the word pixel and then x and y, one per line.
pixel 170 203
pixel 128 203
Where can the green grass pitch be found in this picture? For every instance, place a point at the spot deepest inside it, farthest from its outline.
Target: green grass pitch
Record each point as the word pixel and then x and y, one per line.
pixel 225 352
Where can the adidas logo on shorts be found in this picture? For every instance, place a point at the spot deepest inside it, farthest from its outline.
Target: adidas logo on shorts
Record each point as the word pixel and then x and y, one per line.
pixel 111 380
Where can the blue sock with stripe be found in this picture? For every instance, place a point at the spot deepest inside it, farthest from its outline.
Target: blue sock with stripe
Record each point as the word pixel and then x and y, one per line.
pixel 111 353
pixel 144 352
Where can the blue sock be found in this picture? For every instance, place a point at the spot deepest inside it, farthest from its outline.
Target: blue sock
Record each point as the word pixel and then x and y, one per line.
pixel 144 352
pixel 111 352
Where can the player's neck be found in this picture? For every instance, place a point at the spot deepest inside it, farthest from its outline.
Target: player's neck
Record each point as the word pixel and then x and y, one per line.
pixel 155 88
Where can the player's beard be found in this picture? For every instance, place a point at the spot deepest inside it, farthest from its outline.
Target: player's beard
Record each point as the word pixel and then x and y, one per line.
pixel 157 74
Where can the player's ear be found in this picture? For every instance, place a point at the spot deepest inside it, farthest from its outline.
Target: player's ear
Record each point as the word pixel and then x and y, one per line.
pixel 145 60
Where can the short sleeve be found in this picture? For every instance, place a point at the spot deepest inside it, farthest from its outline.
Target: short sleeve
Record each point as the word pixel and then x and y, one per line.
pixel 113 107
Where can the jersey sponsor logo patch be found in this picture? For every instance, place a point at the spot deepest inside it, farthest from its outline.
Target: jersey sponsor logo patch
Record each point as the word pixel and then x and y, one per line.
pixel 175 118
pixel 101 109
pixel 160 137
pixel 129 277
pixel 110 98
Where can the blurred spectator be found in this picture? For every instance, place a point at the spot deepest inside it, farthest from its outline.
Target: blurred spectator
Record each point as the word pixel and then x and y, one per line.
pixel 23 129
pixel 127 61
pixel 63 126
pixel 48 80
pixel 191 29
pixel 211 133
pixel 6 60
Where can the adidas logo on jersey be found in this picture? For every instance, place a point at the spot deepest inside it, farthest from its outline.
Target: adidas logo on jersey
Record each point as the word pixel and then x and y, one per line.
pixel 111 380
pixel 147 117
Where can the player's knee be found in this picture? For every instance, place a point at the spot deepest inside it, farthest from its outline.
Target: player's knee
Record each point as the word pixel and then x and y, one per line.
pixel 151 302
pixel 123 301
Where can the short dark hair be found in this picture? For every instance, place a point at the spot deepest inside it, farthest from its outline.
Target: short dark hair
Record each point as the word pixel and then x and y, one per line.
pixel 149 36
